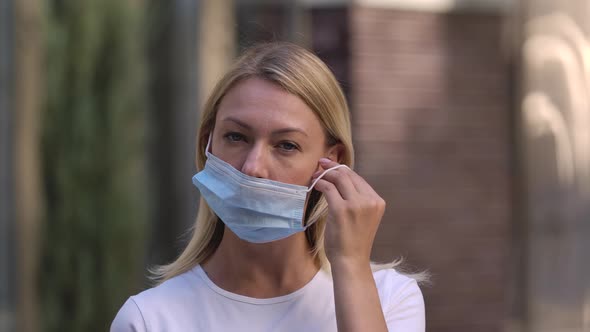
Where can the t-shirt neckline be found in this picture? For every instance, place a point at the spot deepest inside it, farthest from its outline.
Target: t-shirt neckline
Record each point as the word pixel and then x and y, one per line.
pixel 252 300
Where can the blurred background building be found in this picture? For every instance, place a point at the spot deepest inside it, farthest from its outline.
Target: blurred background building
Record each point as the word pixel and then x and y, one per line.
pixel 470 117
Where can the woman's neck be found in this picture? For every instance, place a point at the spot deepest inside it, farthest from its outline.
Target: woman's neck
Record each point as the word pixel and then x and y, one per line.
pixel 261 270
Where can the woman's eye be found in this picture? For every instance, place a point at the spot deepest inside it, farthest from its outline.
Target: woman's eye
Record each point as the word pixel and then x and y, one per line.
pixel 288 146
pixel 234 137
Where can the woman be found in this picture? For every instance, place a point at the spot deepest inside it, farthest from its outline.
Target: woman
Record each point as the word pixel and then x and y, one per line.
pixel 285 227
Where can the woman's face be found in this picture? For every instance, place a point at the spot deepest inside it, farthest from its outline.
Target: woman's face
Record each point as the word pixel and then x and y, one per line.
pixel 266 132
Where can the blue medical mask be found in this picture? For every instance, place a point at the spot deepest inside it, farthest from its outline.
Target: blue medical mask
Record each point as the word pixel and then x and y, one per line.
pixel 256 210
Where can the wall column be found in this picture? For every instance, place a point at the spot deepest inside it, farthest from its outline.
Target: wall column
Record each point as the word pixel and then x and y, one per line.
pixel 27 197
pixel 555 134
pixel 7 262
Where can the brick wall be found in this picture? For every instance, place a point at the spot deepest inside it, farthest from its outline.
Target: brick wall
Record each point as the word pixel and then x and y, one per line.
pixel 430 103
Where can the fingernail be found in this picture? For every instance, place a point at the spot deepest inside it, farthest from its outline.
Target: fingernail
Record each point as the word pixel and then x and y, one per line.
pixel 325 160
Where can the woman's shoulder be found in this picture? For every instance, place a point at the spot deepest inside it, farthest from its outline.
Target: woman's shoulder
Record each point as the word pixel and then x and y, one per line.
pixel 396 288
pixel 129 318
pixel 170 289
pixel 401 300
pixel 390 277
pixel 155 301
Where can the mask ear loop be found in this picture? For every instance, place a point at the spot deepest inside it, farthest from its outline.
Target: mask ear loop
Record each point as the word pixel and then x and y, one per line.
pixel 208 145
pixel 316 181
pixel 322 175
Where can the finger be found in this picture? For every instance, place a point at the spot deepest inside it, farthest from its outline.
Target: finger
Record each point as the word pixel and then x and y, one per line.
pixel 327 163
pixel 362 186
pixel 338 176
pixel 358 182
pixel 330 192
pixel 341 180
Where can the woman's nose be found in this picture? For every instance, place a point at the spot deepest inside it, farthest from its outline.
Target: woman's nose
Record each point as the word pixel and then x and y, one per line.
pixel 256 163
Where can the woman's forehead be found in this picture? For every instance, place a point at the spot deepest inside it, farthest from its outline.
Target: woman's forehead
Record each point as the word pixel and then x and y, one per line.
pixel 257 104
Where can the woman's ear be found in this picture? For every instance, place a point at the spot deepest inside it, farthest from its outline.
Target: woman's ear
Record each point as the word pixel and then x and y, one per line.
pixel 336 152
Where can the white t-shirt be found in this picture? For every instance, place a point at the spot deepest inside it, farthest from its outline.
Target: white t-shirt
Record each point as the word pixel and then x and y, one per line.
pixel 192 302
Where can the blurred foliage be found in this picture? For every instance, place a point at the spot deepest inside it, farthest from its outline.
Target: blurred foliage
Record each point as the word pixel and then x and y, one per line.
pixel 94 128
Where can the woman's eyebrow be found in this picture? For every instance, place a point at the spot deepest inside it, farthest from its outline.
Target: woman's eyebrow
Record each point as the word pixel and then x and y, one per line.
pixel 274 132
pixel 289 130
pixel 238 122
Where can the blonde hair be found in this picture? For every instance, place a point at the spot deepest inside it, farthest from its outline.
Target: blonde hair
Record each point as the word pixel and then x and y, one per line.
pixel 302 74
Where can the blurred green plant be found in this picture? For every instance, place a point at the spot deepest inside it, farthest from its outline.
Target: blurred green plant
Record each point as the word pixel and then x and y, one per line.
pixel 94 173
